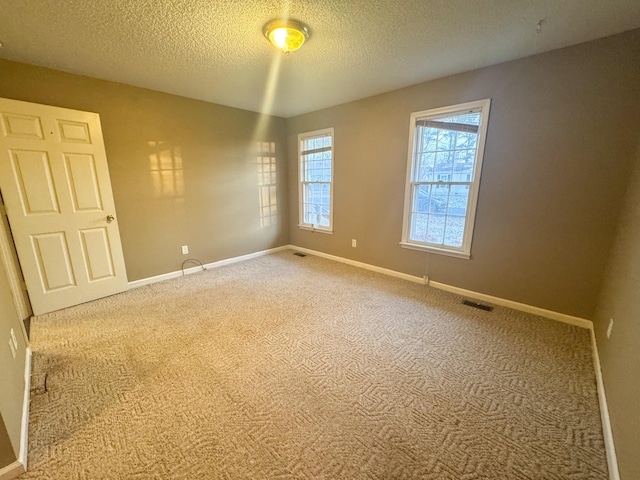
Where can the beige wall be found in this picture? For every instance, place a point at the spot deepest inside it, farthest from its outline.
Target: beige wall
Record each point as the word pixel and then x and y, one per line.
pixel 7 456
pixel 215 209
pixel 557 157
pixel 12 371
pixel 619 354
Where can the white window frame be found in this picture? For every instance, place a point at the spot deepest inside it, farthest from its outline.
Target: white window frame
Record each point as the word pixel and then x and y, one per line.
pixel 481 106
pixel 301 179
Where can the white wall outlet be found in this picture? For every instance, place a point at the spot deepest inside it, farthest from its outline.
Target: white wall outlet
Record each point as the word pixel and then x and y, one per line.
pixel 14 339
pixel 610 327
pixel 13 349
pixel 354 242
pixel 185 249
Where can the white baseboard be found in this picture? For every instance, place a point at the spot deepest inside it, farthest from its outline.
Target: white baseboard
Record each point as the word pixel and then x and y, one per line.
pixel 523 307
pixel 561 317
pixel 24 437
pixel 220 263
pixel 17 468
pixel 610 449
pixel 366 266
pixel 11 471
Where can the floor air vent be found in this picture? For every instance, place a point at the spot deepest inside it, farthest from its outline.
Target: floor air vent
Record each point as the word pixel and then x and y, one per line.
pixel 298 254
pixel 481 306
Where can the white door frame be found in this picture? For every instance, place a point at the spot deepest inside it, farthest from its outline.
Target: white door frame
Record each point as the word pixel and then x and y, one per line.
pixel 14 273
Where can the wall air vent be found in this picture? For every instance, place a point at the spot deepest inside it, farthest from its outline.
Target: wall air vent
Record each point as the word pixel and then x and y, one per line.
pixel 299 254
pixel 481 306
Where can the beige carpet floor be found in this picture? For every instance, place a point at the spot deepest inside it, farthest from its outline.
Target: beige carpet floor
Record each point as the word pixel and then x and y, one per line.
pixel 284 367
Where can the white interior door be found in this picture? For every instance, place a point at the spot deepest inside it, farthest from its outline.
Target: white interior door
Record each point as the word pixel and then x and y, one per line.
pixel 55 183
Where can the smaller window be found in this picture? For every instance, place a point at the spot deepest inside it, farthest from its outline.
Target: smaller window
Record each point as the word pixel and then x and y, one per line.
pixel 443 178
pixel 316 180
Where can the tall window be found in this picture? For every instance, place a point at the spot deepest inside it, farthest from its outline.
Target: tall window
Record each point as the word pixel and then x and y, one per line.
pixel 316 180
pixel 443 176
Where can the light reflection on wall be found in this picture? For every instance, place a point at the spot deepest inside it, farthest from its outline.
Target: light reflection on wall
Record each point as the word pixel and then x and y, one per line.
pixel 267 184
pixel 165 165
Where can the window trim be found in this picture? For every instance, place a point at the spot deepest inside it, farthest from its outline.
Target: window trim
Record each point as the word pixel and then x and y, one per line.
pixel 301 138
pixel 483 106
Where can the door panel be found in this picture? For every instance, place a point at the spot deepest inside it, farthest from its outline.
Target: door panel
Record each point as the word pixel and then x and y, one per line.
pixel 32 172
pixel 83 182
pixel 54 266
pixel 75 132
pixel 22 126
pixel 97 254
pixel 55 182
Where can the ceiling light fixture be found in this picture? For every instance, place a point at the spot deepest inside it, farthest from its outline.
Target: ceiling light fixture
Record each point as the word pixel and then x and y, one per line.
pixel 286 35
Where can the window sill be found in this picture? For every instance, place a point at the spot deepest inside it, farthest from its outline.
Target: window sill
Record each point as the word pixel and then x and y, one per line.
pixel 440 251
pixel 311 228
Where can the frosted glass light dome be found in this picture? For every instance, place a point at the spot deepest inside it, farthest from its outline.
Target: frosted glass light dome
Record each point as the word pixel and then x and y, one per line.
pixel 286 35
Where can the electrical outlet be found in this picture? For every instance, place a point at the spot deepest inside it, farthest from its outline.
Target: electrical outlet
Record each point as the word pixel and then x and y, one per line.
pixel 185 249
pixel 610 327
pixel 354 242
pixel 13 349
pixel 14 339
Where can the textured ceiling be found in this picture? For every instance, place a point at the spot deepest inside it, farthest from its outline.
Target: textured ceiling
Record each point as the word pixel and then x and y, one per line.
pixel 214 50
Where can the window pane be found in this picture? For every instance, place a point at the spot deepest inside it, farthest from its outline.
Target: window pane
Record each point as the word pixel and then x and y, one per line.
pixel 325 195
pixel 430 224
pixel 316 143
pixel 425 167
pixel 446 140
pixel 324 216
pixel 458 200
pixel 429 139
pixel 435 229
pixel 419 227
pixel 309 216
pixel 305 168
pixel 454 231
pixel 317 203
pixel 317 172
pixel 466 140
pixel 317 193
pixel 427 199
pixel 444 166
pixel 463 161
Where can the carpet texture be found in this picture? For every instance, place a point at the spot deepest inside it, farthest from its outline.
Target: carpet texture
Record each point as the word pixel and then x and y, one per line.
pixel 284 367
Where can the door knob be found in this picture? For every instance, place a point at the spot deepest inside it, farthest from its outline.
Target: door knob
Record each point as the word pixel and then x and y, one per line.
pixel 110 218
